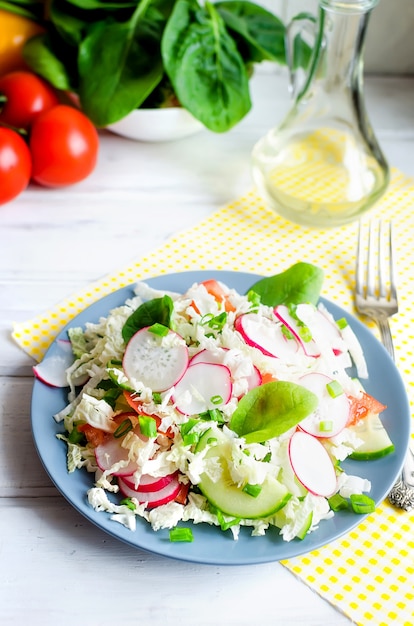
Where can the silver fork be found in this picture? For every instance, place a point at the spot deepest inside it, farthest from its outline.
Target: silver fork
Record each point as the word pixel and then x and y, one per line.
pixel 376 297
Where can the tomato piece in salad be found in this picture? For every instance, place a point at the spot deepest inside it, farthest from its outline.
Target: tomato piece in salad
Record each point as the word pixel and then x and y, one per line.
pixel 214 289
pixel 182 495
pixel 94 436
pixel 363 406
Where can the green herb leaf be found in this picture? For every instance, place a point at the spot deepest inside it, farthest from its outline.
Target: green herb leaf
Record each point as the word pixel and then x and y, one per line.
pixel 271 409
pixel 40 55
pixel 302 282
pixel 157 311
pixel 262 33
pixel 204 65
pixel 129 66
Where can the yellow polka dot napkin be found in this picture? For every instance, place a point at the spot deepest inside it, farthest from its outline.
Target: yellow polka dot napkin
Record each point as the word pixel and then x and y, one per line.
pixel 368 574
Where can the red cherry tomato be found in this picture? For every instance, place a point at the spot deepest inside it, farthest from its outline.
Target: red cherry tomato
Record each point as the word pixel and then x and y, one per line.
pixel 15 165
pixel 23 96
pixel 64 145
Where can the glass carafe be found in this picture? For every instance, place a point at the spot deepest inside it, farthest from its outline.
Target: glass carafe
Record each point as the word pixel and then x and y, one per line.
pixel 323 166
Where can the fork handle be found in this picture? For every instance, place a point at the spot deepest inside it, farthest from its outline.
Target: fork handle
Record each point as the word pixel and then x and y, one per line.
pixel 386 337
pixel 402 493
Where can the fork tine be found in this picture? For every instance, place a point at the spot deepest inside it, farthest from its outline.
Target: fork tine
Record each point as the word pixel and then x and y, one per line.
pixel 372 263
pixel 393 280
pixel 386 268
pixel 382 252
pixel 360 265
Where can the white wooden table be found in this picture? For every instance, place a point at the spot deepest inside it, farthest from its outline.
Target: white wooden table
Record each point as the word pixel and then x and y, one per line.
pixel 56 567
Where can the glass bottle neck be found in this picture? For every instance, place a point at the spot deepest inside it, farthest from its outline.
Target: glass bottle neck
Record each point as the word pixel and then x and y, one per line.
pixel 338 54
pixel 349 6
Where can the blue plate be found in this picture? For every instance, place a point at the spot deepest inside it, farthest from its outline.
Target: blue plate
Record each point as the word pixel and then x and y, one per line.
pixel 211 545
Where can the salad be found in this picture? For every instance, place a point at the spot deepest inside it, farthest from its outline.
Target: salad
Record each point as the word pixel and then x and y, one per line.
pixel 222 408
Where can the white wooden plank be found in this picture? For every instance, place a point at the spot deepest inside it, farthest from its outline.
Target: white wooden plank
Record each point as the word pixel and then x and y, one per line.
pixel 60 569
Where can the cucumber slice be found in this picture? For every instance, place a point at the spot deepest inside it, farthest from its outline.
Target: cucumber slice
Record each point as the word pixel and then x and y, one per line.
pixel 231 499
pixel 303 525
pixel 376 442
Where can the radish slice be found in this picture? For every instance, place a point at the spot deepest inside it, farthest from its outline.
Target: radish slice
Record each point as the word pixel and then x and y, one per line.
pixel 207 356
pixel 111 452
pixel 267 336
pixel 148 484
pixel 155 362
pixel 52 370
pixel 254 379
pixel 282 313
pixel 332 414
pixel 152 498
pixel 312 464
pixel 204 386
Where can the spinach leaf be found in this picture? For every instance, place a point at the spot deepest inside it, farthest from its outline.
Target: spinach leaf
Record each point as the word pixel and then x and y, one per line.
pixel 272 409
pixel 102 4
pixel 302 282
pixel 154 311
pixel 204 65
pixel 130 64
pixel 39 53
pixel 261 32
pixel 32 9
pixel 69 23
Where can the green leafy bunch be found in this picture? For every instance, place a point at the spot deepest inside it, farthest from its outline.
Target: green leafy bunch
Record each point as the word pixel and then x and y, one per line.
pixel 121 55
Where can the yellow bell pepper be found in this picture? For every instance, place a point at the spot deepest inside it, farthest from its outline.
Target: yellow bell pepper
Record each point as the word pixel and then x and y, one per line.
pixel 15 30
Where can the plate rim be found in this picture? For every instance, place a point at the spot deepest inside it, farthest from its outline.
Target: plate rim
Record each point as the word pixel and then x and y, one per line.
pixel 47 453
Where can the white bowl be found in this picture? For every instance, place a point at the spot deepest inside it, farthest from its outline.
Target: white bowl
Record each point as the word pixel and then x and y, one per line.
pixel 157 124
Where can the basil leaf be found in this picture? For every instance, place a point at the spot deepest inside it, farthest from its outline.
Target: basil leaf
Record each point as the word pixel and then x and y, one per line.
pixel 129 66
pixel 204 65
pixel 261 32
pixel 157 311
pixel 272 409
pixel 302 282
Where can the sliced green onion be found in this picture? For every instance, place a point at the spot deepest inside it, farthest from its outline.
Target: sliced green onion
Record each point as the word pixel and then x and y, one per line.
pixel 292 310
pixel 215 322
pixel 114 363
pixel 156 396
pixel 181 534
pixel 191 439
pixel 128 502
pixel 305 334
pixel 342 323
pixel 214 415
pixel 286 332
pixel 225 524
pixel 252 490
pixel 267 458
pixel 361 503
pixel 217 416
pixel 216 400
pixel 75 436
pixel 187 426
pixel 123 428
pixel 338 502
pixel 148 426
pixel 158 329
pixel 334 388
pixel 254 299
pixel 325 426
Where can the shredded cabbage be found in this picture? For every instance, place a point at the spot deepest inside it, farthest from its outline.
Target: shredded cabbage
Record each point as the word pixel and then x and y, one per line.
pixel 102 405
